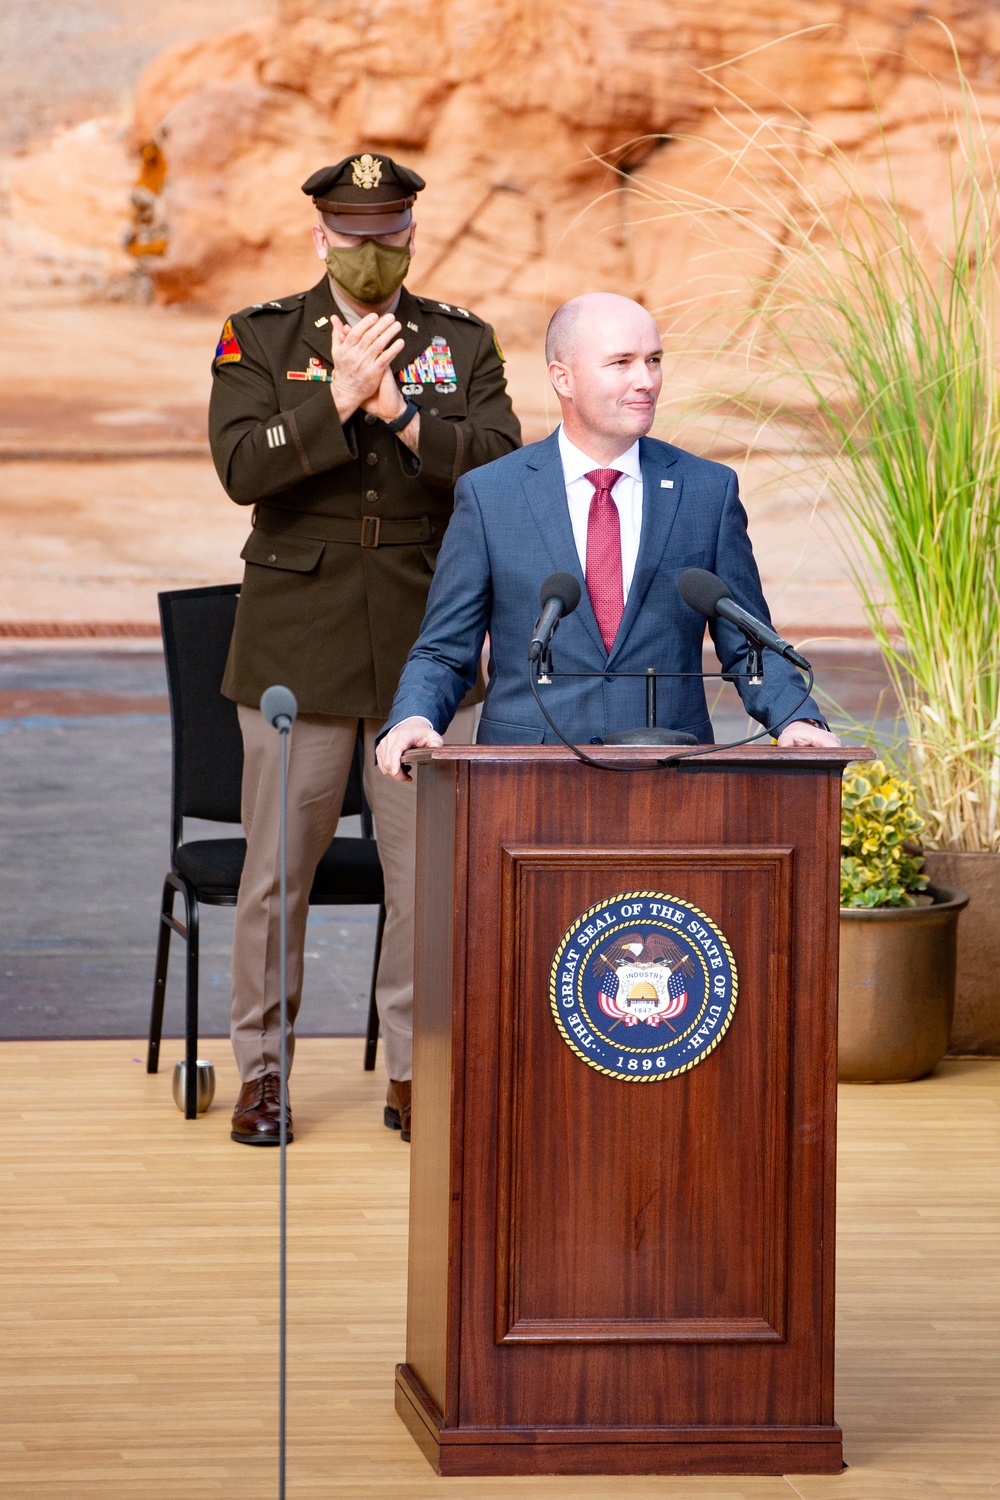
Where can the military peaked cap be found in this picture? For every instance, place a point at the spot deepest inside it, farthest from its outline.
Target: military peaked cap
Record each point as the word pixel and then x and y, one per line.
pixel 365 194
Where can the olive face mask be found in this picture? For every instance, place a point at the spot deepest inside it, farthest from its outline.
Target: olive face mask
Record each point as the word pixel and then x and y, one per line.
pixel 370 272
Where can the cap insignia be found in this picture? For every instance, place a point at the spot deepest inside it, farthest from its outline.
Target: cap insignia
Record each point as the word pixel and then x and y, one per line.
pixel 366 171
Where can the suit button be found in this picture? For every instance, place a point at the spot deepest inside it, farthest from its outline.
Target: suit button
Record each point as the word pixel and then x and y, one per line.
pixel 595 739
pixel 273 557
pixel 371 496
pixel 370 418
pixel 371 458
pixel 610 677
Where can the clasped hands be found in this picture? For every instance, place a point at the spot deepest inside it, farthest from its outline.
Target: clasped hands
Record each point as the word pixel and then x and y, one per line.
pixel 362 358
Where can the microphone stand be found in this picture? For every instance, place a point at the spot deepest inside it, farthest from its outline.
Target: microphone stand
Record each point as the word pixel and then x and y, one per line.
pixel 284 728
pixel 279 708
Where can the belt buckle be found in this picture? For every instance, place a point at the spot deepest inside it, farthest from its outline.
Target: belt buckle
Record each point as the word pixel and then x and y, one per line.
pixel 371 526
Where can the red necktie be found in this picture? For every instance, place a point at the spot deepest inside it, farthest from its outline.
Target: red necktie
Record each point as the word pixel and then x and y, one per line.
pixel 604 555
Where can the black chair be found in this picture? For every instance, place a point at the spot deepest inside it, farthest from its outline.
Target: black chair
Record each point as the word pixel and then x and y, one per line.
pixel 207 764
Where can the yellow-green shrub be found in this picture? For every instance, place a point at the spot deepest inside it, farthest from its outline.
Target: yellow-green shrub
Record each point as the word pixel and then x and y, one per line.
pixel 878 865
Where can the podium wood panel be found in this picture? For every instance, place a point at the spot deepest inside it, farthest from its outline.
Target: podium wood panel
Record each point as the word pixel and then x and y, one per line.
pixel 607 1276
pixel 626 1186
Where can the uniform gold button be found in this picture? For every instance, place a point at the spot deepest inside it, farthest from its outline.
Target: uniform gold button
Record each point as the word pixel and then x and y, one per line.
pixel 370 418
pixel 273 557
pixel 371 458
pixel 371 496
pixel 434 411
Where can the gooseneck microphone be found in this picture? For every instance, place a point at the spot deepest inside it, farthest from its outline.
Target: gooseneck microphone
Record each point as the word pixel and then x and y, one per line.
pixel 708 594
pixel 560 594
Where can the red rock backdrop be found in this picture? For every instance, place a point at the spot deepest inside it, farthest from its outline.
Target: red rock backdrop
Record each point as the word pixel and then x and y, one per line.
pixel 538 124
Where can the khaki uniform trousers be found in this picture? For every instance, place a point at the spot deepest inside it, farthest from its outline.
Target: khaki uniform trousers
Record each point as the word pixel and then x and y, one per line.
pixel 319 762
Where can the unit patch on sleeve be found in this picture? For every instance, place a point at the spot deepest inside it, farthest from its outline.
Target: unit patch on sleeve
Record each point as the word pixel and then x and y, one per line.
pixel 434 366
pixel 229 351
pixel 643 986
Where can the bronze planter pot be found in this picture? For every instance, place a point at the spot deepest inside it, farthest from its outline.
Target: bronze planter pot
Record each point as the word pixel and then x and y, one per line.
pixel 897 988
pixel 976 1027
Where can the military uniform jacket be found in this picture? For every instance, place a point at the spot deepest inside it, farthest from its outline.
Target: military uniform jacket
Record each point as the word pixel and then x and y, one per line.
pixel 347 521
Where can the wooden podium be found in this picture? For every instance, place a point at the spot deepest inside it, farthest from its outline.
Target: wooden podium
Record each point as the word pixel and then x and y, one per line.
pixel 624 1274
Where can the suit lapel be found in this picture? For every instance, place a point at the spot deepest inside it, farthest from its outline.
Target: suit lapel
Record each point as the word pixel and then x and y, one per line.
pixel 661 493
pixel 545 490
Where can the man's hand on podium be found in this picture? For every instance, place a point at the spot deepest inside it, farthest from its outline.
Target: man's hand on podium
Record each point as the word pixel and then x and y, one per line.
pixel 801 734
pixel 408 734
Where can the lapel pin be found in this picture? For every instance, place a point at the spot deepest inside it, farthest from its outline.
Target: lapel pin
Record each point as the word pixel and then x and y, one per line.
pixel 321 322
pixel 413 327
pixel 666 484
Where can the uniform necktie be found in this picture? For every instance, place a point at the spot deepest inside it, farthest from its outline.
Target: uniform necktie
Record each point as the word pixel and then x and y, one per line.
pixel 604 555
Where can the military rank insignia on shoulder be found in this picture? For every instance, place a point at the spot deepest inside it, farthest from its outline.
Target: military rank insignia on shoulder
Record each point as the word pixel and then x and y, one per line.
pixel 643 986
pixel 228 351
pixel 288 305
pixel 461 313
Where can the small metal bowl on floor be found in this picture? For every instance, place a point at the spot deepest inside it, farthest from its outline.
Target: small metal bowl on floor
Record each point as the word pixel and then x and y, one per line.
pixel 206 1084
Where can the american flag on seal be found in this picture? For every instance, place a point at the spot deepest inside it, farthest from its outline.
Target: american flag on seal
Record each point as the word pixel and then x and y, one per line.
pixel 644 979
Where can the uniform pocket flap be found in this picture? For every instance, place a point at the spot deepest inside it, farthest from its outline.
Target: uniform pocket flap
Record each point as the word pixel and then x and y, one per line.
pixel 294 554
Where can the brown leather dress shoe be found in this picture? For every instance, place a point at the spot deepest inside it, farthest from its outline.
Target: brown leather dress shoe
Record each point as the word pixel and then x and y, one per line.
pixel 257 1116
pixel 397 1107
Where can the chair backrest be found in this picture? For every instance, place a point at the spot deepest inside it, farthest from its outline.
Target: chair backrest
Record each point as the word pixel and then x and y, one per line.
pixel 197 627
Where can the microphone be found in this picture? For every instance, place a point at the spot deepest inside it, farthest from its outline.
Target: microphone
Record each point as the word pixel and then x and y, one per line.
pixel 279 707
pixel 560 594
pixel 707 594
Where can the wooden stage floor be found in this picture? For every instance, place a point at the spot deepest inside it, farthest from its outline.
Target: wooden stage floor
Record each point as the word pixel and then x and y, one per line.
pixel 139 1306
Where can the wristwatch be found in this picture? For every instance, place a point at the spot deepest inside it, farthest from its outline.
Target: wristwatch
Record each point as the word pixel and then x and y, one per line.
pixel 405 417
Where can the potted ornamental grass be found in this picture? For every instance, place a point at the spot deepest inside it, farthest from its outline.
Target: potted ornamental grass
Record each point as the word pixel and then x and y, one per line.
pixel 898 935
pixel 861 316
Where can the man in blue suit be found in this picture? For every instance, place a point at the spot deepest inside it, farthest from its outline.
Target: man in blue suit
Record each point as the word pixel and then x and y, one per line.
pixel 626 514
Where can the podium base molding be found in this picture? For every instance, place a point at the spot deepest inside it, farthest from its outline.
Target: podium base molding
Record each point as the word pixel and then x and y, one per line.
pixel 496 1451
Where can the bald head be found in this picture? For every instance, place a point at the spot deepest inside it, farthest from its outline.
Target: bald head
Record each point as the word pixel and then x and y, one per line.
pixel 604 355
pixel 590 311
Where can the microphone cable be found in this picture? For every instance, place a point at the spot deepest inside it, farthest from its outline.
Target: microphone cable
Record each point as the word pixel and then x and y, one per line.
pixel 668 762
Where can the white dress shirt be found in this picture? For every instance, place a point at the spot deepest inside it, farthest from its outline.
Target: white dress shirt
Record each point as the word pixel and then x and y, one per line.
pixel 627 495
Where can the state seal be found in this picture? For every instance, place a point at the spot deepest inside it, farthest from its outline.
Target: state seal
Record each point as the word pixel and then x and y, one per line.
pixel 643 986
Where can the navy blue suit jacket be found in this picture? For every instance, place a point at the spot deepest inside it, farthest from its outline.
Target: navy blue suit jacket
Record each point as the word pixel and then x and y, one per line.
pixel 511 529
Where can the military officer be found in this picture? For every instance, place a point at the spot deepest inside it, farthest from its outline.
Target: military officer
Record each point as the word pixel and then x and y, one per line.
pixel 344 415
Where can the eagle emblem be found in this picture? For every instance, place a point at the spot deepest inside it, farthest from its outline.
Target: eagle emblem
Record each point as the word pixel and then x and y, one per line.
pixel 643 979
pixel 367 171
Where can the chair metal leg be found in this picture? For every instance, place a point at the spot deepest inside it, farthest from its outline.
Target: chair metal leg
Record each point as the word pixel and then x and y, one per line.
pixel 191 1007
pixel 160 977
pixel 371 1036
